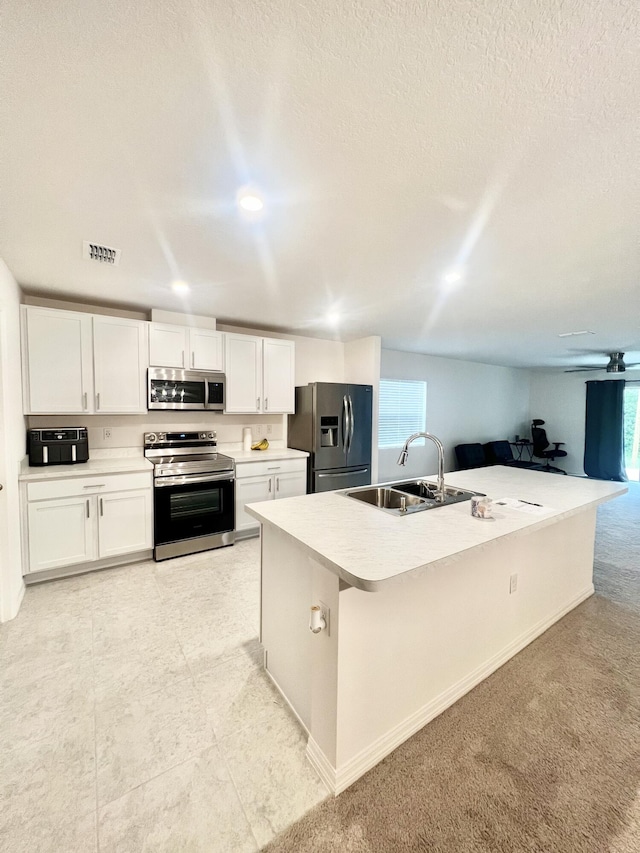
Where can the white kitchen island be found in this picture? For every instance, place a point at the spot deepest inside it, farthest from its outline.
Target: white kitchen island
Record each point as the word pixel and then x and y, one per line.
pixel 421 608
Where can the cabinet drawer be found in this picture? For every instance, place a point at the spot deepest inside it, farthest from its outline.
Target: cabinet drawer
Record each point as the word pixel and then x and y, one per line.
pixel 268 467
pixel 95 484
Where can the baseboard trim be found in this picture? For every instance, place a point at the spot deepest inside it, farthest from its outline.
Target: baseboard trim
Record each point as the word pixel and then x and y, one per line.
pixel 339 779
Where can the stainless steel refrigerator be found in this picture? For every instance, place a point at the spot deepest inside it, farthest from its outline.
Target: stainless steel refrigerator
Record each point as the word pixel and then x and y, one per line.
pixel 332 422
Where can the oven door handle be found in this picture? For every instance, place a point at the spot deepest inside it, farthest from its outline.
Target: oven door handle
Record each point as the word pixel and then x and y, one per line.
pixel 185 480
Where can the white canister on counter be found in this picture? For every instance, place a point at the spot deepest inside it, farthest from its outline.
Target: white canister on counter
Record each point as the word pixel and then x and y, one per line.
pixel 247 440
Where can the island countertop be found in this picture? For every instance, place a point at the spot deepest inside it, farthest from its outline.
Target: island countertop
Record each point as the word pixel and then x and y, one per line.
pixel 367 547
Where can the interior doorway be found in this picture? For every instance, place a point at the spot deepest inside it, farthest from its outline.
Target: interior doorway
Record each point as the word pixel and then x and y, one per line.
pixel 632 430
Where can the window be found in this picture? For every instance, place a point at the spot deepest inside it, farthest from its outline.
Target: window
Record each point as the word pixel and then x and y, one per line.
pixel 632 429
pixel 403 410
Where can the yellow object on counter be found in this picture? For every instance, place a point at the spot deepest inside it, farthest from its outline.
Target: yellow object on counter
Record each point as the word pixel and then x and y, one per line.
pixel 263 444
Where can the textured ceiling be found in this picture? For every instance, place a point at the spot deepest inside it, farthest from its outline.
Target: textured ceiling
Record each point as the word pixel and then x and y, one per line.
pixel 391 139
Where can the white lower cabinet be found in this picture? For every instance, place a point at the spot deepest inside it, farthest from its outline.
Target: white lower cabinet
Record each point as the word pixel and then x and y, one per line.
pixel 61 533
pixel 264 481
pixel 85 519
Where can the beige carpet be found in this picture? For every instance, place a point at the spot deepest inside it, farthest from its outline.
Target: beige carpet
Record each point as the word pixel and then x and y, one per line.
pixel 543 756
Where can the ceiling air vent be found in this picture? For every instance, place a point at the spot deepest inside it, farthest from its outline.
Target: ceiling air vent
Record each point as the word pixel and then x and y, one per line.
pixel 102 254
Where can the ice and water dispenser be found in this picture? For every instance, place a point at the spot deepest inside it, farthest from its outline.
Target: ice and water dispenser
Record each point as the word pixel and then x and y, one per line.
pixel 329 432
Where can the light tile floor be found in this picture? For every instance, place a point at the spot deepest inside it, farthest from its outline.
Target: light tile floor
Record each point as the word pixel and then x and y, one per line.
pixel 135 715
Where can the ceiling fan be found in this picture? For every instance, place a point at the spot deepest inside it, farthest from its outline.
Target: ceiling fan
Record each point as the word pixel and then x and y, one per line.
pixel 616 364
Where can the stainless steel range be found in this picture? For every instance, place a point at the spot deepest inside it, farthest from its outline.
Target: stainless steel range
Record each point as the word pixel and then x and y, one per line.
pixel 193 495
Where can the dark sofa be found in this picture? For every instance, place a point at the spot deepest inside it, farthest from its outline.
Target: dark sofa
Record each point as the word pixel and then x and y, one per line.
pixel 492 453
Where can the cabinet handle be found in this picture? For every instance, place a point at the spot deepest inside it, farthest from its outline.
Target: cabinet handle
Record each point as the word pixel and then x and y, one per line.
pixel 257 402
pixel 274 468
pixel 269 485
pixel 94 486
pixel 88 510
pixel 101 507
pixel 183 358
pixel 98 401
pixel 277 484
pixel 266 403
pixel 84 400
pixel 193 359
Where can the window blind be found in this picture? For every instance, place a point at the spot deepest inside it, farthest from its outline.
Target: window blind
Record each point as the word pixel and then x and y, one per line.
pixel 403 410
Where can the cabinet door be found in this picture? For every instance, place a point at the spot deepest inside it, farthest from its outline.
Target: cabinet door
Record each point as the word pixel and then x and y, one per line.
pixel 120 365
pixel 278 375
pixel 291 484
pixel 243 367
pixel 62 532
pixel 251 490
pixel 124 522
pixel 207 349
pixel 57 356
pixel 168 345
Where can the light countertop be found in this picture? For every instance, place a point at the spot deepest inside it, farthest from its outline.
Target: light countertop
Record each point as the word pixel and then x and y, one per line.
pixel 367 547
pixel 273 453
pixel 98 464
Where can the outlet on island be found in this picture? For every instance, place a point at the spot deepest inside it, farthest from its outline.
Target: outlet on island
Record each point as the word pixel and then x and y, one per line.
pixel 106 433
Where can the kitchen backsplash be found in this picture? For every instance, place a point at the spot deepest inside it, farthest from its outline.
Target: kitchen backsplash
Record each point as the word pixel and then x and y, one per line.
pixel 128 430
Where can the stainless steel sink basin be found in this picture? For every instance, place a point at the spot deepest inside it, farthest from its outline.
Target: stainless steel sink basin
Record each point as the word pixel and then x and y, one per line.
pixel 408 496
pixel 389 499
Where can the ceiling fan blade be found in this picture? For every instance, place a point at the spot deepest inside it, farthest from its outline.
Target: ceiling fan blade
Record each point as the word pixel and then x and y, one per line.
pixel 585 369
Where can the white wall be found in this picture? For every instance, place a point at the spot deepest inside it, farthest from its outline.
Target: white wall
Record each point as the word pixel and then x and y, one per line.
pixel 559 399
pixel 12 445
pixel 466 402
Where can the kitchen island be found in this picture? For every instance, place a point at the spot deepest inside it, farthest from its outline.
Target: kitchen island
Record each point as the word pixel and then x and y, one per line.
pixel 419 608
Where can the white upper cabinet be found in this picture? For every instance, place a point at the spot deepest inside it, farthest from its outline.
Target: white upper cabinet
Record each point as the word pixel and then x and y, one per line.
pixel 207 349
pixel 243 361
pixel 168 345
pixel 185 348
pixel 260 375
pixel 57 361
pixel 75 363
pixel 278 375
pixel 120 364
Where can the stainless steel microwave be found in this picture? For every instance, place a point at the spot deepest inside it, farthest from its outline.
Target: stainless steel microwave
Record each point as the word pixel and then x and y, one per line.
pixel 185 389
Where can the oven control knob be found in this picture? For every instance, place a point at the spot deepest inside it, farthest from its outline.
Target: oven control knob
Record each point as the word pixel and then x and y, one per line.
pixel 211 435
pixel 162 436
pixel 202 436
pixel 151 437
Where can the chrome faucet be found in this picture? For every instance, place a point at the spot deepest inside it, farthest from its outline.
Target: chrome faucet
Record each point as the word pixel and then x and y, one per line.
pixel 404 455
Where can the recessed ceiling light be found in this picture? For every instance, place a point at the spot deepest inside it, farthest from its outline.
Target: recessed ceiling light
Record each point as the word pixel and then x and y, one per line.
pixel 452 275
pixel 250 200
pixel 575 334
pixel 180 287
pixel 333 318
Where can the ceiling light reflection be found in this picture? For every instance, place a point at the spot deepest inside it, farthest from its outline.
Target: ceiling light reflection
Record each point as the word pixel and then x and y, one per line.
pixel 180 287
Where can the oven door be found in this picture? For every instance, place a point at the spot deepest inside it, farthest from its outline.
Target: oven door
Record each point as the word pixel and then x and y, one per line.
pixel 193 505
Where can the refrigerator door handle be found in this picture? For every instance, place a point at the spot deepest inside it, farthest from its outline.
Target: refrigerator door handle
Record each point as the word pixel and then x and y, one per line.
pixel 352 419
pixel 345 473
pixel 345 424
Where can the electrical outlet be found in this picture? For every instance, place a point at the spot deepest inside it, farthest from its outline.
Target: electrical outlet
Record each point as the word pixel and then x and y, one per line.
pixel 106 433
pixel 327 614
pixel 269 429
pixel 257 430
pixel 513 584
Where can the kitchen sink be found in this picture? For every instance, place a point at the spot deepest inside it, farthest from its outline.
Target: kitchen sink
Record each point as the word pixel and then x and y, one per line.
pixel 408 496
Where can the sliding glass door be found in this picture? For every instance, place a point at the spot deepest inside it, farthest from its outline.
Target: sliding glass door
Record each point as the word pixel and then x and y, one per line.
pixel 632 430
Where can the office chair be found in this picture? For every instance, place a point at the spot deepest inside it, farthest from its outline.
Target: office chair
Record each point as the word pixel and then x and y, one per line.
pixel 540 445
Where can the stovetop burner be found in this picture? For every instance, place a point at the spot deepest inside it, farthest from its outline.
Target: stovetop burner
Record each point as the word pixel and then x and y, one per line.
pixel 178 453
